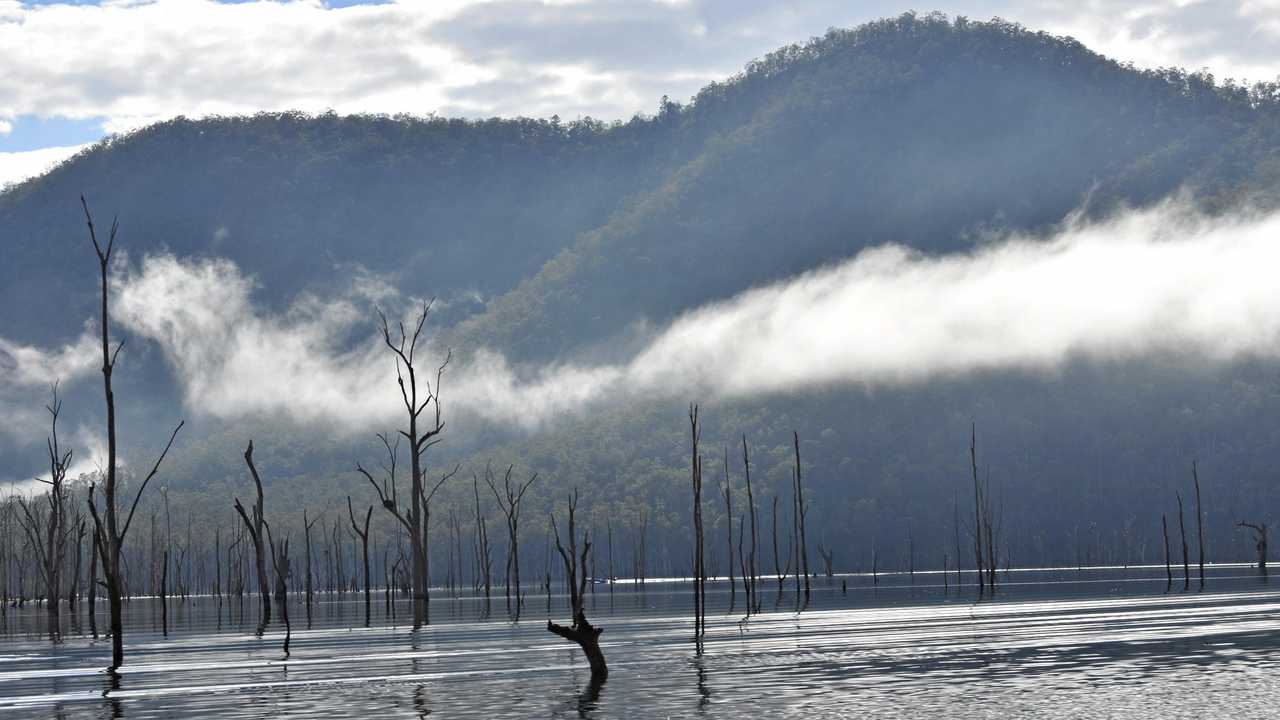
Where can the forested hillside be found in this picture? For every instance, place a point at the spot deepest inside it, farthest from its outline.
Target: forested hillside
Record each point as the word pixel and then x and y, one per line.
pixel 545 239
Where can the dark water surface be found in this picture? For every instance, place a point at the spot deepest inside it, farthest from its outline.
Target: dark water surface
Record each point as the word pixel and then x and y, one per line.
pixel 1054 644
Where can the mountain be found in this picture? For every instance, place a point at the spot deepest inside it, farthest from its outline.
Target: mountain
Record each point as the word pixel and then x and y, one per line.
pixel 549 239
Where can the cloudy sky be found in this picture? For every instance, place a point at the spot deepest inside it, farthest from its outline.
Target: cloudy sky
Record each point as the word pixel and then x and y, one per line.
pixel 74 71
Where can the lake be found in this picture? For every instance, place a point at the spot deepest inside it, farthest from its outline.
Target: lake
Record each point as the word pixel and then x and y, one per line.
pixel 1102 642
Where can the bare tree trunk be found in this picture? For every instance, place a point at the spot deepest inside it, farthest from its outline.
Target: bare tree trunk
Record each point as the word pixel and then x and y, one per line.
pixel 753 598
pixel 777 567
pixel 164 601
pixel 728 518
pixel 111 534
pixel 363 534
pixel 308 584
pixel 420 440
pixel 699 582
pixel 581 632
pixel 92 585
pixel 1260 543
pixel 484 559
pixel 1168 571
pixel 256 534
pixel 804 545
pixel 1182 528
pixel 510 507
pixel 955 525
pixel 1199 521
pixel 977 508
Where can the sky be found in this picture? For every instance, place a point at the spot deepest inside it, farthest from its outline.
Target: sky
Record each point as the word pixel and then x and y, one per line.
pixel 76 71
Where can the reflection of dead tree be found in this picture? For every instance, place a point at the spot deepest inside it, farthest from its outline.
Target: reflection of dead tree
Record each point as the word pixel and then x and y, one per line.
pixel 111 534
pixel 363 534
pixel 46 529
pixel 256 534
pixel 1260 539
pixel 575 566
pixel 510 507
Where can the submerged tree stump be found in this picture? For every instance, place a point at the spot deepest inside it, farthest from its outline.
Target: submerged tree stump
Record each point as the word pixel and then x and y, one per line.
pixel 587 636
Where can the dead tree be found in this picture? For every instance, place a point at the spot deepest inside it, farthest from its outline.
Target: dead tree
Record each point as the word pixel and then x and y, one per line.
pixel 73 593
pixel 280 562
pixel 111 533
pixel 363 534
pixel 256 534
pixel 777 568
pixel 977 509
pixel 728 518
pixel 425 504
pixel 1182 528
pixel 416 400
pixel 91 584
pixel 804 545
pixel 1168 570
pixel 1199 521
pixel 307 585
pixel 753 598
pixel 581 632
pixel 1260 540
pixel 699 571
pixel 828 560
pixel 484 555
pixel 45 528
pixel 510 507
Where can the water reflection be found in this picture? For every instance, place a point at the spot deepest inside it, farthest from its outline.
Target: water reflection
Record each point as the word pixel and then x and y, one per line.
pixel 1052 644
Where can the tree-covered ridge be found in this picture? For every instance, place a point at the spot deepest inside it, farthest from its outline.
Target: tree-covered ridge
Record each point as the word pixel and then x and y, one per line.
pixel 925 131
pixel 919 131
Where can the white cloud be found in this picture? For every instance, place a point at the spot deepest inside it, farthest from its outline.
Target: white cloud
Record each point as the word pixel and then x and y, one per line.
pixel 18 166
pixel 1231 38
pixel 137 62
pixel 6 127
pixel 26 374
pixel 1162 281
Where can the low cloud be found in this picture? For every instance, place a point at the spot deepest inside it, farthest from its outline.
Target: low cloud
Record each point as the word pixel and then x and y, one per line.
pixel 26 375
pixel 1161 281
pixel 1164 281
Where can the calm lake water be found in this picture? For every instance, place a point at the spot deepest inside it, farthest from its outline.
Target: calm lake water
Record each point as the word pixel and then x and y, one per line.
pixel 1054 644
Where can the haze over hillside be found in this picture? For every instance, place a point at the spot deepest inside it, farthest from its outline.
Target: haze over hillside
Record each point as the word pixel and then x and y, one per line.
pixel 599 270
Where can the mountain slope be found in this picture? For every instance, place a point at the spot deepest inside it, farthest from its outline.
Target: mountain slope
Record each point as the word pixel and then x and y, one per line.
pixel 914 131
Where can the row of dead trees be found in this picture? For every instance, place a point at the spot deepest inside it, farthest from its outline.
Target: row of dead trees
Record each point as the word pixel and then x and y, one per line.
pixel 55 528
pixel 748 557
